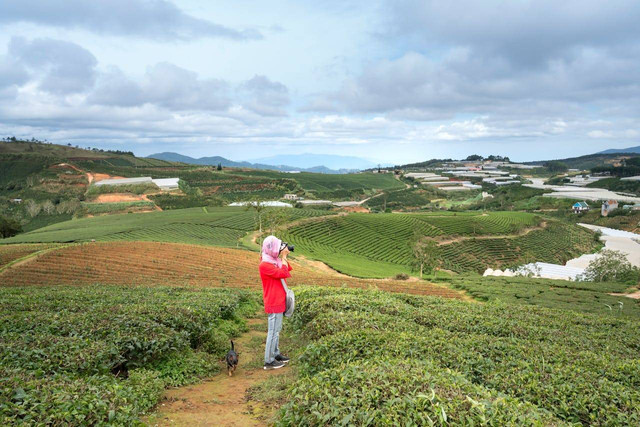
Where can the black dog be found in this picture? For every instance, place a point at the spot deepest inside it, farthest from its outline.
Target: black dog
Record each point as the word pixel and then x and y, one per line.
pixel 232 360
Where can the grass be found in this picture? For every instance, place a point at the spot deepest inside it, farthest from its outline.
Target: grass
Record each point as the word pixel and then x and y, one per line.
pixel 375 358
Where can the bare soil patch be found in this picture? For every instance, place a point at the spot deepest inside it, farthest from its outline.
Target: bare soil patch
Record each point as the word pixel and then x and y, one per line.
pixel 119 197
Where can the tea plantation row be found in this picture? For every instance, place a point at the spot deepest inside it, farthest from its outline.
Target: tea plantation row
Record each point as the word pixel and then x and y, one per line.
pixel 97 355
pixel 587 297
pixel 218 226
pixel 390 359
pixel 379 245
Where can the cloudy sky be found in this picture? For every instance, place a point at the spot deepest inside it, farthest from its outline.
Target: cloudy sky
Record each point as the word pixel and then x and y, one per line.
pixel 394 81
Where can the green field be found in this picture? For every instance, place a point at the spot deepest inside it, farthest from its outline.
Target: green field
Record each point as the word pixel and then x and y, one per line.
pixel 375 358
pixel 103 355
pixel 219 226
pixel 379 245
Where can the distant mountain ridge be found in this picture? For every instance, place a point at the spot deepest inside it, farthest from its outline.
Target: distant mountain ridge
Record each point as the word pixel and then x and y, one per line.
pixel 621 150
pixel 270 163
pixel 309 160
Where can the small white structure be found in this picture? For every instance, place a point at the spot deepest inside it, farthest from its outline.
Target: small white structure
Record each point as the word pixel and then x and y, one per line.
pixel 608 206
pixel 291 196
pixel 17 201
pixel 167 183
pixel 271 204
pixel 162 183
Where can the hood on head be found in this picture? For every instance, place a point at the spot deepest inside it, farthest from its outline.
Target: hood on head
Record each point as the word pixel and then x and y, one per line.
pixel 271 246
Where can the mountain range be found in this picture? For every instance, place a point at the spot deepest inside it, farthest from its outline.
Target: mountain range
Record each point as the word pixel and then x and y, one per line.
pixel 319 163
pixel 621 150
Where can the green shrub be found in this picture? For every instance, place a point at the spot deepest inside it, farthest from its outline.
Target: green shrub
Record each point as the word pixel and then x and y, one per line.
pixel 103 354
pixel 390 359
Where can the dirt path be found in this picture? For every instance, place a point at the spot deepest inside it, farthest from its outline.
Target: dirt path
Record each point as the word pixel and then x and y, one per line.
pixel 524 232
pixel 221 400
pixel 634 295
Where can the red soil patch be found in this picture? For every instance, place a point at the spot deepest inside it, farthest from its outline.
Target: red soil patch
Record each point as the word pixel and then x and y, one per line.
pixel 119 197
pixel 356 209
pixel 174 264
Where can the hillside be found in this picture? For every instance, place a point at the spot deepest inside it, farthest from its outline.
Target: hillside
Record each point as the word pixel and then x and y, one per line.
pixel 216 226
pixel 379 245
pixel 174 264
pixel 53 183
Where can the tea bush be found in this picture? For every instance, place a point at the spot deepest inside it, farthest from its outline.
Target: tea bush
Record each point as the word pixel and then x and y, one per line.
pixel 97 355
pixel 392 359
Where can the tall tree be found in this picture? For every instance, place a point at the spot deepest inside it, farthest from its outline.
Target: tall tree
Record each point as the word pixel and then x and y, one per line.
pixel 425 254
pixel 9 227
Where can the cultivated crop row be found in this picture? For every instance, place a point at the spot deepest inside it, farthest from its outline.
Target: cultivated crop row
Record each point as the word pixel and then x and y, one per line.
pixel 220 226
pixel 10 253
pixel 164 264
pixel 557 243
pixel 388 237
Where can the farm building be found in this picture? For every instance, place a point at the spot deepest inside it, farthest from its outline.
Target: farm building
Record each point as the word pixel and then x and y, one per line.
pixel 17 201
pixel 580 207
pixel 608 206
pixel 291 197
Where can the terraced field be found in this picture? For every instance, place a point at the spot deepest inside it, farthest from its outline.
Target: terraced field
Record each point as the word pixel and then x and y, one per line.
pixel 368 245
pixel 171 264
pixel 557 243
pixel 207 226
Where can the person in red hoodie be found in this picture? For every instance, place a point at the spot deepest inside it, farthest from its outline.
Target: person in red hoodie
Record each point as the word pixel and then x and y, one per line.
pixel 273 269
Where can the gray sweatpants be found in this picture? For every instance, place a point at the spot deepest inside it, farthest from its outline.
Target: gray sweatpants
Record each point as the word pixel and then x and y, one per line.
pixel 271 349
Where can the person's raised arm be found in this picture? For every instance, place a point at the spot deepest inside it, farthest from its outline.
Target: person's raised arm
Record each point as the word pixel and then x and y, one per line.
pixel 275 272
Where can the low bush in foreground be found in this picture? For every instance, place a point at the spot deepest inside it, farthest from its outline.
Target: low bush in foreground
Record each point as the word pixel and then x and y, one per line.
pixel 391 359
pixel 96 355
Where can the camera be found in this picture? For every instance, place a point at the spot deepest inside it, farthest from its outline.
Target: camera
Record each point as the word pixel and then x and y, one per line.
pixel 286 245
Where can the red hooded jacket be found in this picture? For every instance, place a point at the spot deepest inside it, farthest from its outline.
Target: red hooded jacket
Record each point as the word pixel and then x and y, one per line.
pixel 275 299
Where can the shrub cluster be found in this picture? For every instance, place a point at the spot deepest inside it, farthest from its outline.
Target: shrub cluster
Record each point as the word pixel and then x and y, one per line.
pixel 391 359
pixel 94 355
